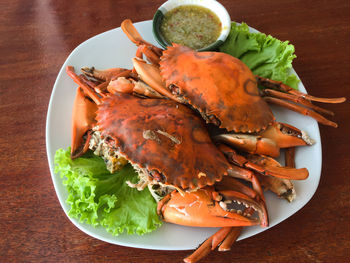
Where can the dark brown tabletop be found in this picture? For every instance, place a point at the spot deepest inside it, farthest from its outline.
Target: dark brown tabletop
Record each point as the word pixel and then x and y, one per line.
pixel 36 38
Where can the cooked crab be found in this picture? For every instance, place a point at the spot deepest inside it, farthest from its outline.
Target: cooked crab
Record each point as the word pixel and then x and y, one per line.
pixel 219 86
pixel 170 147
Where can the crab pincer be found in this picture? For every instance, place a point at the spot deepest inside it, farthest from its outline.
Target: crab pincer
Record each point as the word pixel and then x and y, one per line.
pixel 207 208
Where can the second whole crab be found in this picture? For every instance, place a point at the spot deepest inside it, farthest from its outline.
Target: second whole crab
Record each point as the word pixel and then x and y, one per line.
pixel 193 125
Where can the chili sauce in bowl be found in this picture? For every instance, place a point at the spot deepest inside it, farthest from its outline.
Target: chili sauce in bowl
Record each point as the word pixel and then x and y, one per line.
pixel 200 25
pixel 191 25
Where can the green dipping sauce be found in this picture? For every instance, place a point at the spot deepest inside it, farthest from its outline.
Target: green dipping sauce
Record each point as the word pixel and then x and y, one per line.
pixel 191 25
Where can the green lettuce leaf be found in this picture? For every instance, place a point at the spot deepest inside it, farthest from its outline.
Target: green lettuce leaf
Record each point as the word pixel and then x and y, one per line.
pixel 265 55
pixel 98 197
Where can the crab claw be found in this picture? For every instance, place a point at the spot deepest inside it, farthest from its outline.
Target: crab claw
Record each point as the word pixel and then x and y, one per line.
pixel 207 208
pixel 269 166
pixel 276 136
pixel 150 74
pixel 286 135
pixel 83 119
pixel 135 37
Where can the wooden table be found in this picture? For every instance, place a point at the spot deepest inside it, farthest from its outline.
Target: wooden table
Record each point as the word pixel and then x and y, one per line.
pixel 36 38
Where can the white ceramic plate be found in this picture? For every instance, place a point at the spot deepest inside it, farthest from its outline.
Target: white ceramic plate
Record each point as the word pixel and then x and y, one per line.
pixel 113 49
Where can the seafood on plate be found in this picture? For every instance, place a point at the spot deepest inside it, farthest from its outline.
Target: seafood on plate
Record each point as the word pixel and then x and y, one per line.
pixel 156 117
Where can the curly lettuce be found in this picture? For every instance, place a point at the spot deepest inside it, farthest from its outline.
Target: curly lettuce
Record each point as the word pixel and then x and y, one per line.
pixel 265 55
pixel 98 197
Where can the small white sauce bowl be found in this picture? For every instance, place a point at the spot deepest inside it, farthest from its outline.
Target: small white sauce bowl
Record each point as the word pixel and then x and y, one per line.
pixel 212 5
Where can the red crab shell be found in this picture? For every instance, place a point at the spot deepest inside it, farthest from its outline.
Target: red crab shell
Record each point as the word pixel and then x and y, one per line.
pixel 164 137
pixel 219 86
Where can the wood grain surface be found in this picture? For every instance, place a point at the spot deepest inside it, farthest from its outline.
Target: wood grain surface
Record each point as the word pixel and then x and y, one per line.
pixel 37 36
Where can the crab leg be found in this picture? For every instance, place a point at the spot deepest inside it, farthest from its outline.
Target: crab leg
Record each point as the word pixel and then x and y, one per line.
pixel 313 98
pixel 240 173
pixel 208 245
pixel 150 55
pixel 87 89
pixel 83 116
pixel 283 188
pixel 229 183
pixel 290 157
pixel 230 239
pixel 301 110
pixel 117 80
pixel 296 99
pixel 107 74
pixel 285 88
pixel 97 86
pixel 290 94
pixel 89 82
pixel 225 237
pixel 83 119
pixel 101 89
pixel 233 235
